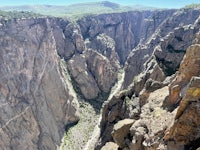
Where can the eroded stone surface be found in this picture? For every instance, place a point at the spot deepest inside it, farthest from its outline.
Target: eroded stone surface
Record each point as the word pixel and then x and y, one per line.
pixel 34 98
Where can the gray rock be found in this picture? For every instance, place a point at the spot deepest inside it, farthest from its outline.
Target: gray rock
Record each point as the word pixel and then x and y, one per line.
pixel 34 97
pixel 78 69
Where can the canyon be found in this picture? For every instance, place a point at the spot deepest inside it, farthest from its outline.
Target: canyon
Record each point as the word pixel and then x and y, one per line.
pixel 128 80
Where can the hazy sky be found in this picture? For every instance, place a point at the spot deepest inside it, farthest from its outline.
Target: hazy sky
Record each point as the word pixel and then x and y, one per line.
pixel 154 3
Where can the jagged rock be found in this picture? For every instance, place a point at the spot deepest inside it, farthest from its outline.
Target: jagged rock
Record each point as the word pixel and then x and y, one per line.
pixel 110 146
pixel 172 48
pixel 140 25
pixel 152 85
pixel 101 69
pixel 146 79
pixel 131 107
pixel 112 112
pixel 92 73
pixel 148 131
pixel 34 98
pixel 168 45
pixel 69 40
pixel 121 130
pixel 78 69
pixel 189 67
pixel 185 129
pixel 138 131
pixel 105 45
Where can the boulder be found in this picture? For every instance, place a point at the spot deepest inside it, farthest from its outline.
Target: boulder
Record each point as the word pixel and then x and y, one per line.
pixel 110 146
pixel 121 130
pixel 189 67
pixel 185 129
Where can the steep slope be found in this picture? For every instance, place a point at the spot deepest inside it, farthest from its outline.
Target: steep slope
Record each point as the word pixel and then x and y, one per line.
pixel 126 29
pixel 146 99
pixel 35 101
pixel 49 66
pixel 185 130
pixel 169 44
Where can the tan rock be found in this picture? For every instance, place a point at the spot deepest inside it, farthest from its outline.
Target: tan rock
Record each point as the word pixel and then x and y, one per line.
pixel 186 126
pixel 110 146
pixel 121 130
pixel 190 66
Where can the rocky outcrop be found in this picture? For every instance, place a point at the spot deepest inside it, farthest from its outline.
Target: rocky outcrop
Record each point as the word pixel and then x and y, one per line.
pixel 149 70
pixel 110 146
pixel 121 130
pixel 92 73
pixel 34 98
pixel 105 45
pixel 168 45
pixel 68 37
pixel 135 27
pixel 188 68
pixel 184 89
pixel 185 130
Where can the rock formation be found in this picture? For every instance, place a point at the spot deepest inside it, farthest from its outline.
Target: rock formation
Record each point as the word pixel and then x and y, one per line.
pixel 185 88
pixel 49 64
pixel 146 98
pixel 34 98
pixel 168 43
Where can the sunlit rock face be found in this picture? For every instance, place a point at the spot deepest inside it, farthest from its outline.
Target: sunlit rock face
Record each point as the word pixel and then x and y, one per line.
pixel 34 98
pixel 46 63
pixel 160 90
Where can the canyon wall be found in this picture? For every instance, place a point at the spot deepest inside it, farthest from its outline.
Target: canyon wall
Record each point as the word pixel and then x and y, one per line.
pixel 152 91
pixel 49 64
pixel 35 102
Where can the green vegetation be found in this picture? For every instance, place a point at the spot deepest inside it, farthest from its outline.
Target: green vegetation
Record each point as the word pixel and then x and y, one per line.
pixel 17 14
pixel 78 135
pixel 75 11
pixel 193 6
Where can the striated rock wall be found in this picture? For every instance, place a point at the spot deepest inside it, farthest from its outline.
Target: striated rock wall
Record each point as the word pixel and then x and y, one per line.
pixel 168 43
pixel 127 29
pixel 37 103
pixel 34 98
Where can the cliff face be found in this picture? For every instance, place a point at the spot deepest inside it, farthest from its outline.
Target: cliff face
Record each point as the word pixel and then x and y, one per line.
pixel 185 88
pixel 126 29
pixel 168 43
pixel 34 98
pixel 44 60
pixel 146 99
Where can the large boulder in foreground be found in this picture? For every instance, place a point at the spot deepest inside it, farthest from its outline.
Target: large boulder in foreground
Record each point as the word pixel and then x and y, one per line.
pixel 121 130
pixel 185 129
pixel 189 67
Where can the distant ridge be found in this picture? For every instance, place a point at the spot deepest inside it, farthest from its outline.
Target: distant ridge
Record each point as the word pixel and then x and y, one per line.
pixel 76 10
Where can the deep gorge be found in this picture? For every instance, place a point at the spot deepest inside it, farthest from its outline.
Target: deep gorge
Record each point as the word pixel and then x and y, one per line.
pixel 57 74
